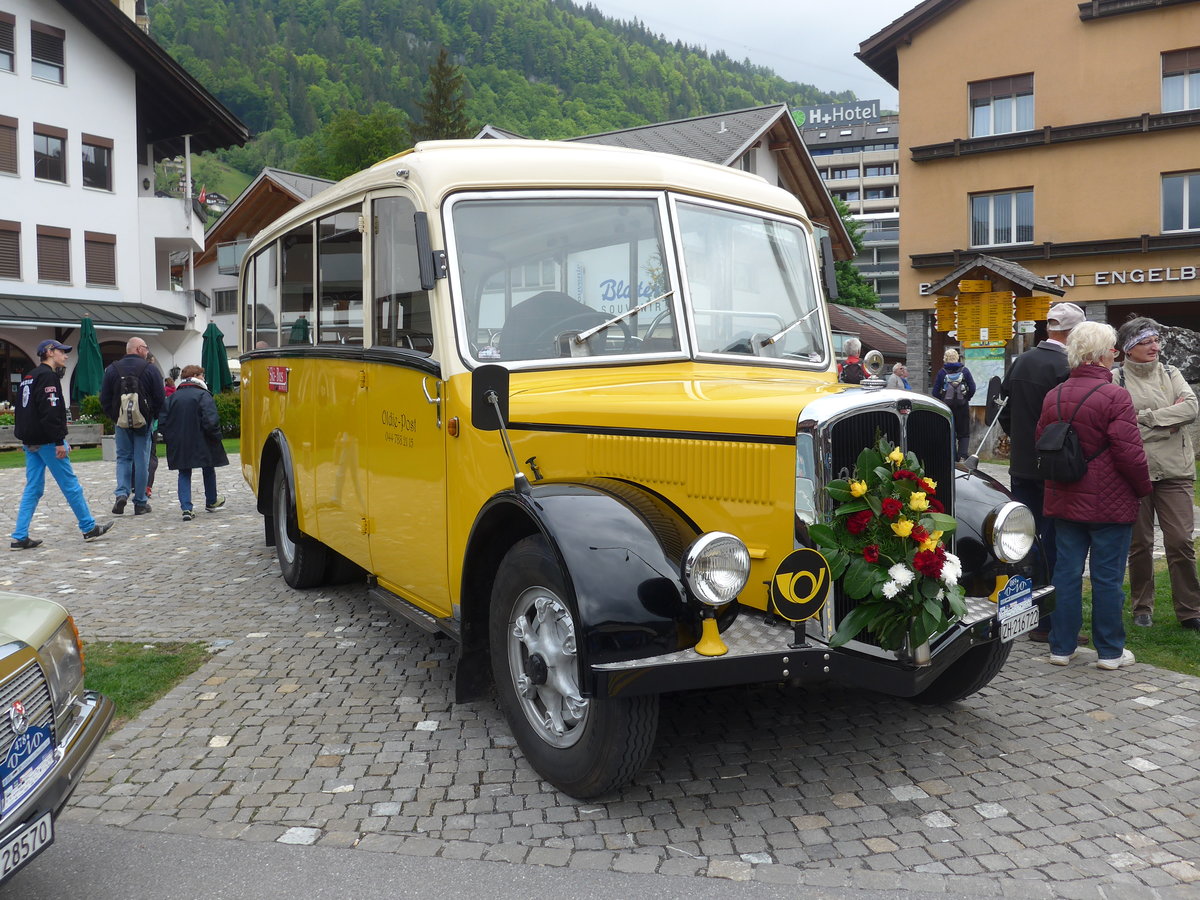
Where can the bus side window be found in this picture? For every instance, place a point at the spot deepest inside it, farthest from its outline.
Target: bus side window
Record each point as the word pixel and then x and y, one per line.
pixel 261 310
pixel 402 314
pixel 339 278
pixel 295 321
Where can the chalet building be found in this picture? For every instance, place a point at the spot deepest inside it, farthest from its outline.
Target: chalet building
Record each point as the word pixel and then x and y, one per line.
pixel 1058 137
pixel 88 104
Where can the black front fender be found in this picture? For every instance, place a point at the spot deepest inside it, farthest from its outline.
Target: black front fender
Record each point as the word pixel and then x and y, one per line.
pixel 976 497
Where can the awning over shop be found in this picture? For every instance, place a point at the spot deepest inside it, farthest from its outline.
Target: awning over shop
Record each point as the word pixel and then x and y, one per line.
pixel 51 313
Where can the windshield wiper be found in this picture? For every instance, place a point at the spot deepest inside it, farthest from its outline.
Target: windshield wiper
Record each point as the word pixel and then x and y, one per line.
pixel 775 337
pixel 584 335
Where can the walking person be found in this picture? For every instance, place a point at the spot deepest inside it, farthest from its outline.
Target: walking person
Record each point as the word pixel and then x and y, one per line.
pixel 955 386
pixel 40 420
pixel 1165 404
pixel 132 396
pixel 1095 514
pixel 1031 376
pixel 192 430
pixel 898 380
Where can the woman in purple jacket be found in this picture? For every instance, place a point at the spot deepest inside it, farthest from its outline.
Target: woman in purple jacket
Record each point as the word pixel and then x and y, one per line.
pixel 1097 512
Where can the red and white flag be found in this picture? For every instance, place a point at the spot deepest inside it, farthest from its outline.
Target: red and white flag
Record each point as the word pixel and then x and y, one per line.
pixel 203 194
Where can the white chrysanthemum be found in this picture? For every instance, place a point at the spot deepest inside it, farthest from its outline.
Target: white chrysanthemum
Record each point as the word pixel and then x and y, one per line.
pixel 890 589
pixel 951 569
pixel 901 574
pixel 941 595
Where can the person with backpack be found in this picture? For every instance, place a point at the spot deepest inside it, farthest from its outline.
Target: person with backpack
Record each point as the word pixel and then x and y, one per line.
pixel 851 371
pixel 40 424
pixel 192 430
pixel 132 395
pixel 1093 515
pixel 1165 404
pixel 955 387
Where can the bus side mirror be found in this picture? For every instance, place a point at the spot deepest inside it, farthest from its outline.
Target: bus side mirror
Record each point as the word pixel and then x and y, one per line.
pixel 489 398
pixel 829 268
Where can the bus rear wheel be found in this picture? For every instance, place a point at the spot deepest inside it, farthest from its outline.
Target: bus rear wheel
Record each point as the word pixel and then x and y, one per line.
pixel 584 746
pixel 303 560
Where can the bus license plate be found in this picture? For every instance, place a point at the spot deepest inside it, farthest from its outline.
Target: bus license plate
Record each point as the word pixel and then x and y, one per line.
pixel 1019 624
pixel 25 845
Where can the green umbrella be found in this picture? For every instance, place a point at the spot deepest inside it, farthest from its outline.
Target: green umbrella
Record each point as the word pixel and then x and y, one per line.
pixel 89 366
pixel 215 360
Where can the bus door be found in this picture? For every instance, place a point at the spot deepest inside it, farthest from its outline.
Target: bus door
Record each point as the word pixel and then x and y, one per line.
pixel 405 435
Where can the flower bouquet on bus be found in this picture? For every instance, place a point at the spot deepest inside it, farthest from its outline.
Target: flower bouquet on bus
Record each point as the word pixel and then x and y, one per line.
pixel 885 542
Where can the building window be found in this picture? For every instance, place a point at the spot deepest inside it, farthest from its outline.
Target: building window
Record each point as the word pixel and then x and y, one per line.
pixel 846 196
pixel 8 145
pixel 745 162
pixel 1004 218
pixel 1001 105
pixel 7 49
pixel 877 171
pixel 100 258
pixel 880 193
pixel 1181 79
pixel 225 302
pixel 843 173
pixel 10 249
pixel 49 153
pixel 46 42
pixel 54 254
pixel 1181 201
pixel 97 162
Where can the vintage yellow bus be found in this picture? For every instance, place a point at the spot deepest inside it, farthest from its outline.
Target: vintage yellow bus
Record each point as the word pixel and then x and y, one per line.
pixel 576 407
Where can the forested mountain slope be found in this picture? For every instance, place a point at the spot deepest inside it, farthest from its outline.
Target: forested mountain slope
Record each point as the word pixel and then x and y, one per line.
pixel 542 68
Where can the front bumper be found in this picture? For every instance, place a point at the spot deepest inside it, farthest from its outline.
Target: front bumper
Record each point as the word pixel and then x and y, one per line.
pixel 763 650
pixel 71 756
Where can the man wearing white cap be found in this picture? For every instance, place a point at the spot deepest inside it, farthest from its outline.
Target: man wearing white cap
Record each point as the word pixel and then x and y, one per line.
pixel 1030 377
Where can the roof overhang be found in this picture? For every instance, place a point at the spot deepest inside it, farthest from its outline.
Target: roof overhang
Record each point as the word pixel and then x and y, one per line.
pixel 41 312
pixel 879 50
pixel 998 268
pixel 170 102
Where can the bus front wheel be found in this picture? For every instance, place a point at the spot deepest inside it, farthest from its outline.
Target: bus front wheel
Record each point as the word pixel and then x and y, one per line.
pixel 303 560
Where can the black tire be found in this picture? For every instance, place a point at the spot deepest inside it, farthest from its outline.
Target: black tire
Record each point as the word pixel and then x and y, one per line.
pixel 585 747
pixel 967 675
pixel 303 560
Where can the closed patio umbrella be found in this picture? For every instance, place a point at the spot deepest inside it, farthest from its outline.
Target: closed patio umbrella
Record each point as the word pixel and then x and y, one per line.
pixel 89 365
pixel 215 360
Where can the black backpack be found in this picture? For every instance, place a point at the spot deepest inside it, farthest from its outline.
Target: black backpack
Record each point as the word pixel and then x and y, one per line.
pixel 1059 456
pixel 954 389
pixel 852 373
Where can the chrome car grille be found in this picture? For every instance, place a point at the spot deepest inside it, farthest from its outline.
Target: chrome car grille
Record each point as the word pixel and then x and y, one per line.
pixel 29 686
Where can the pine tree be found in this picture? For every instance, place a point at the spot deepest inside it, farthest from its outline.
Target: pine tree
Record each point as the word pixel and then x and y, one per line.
pixel 443 107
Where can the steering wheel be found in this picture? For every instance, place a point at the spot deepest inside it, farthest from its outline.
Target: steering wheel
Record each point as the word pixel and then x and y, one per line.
pixel 658 320
pixel 582 322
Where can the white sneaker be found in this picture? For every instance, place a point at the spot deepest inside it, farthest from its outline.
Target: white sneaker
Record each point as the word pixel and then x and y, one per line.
pixel 1063 660
pixel 1125 659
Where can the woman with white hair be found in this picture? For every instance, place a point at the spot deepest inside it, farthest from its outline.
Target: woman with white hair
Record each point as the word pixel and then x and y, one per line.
pixel 851 371
pixel 1095 514
pixel 1165 404
pixel 899 378
pixel 955 386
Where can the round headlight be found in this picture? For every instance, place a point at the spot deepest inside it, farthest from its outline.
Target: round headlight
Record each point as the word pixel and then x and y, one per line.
pixel 1012 532
pixel 715 568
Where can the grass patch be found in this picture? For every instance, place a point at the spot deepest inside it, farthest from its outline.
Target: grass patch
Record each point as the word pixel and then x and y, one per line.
pixel 134 675
pixel 15 459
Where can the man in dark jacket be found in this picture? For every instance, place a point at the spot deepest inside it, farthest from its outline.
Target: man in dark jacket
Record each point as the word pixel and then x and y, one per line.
pixel 133 443
pixel 1025 384
pixel 41 426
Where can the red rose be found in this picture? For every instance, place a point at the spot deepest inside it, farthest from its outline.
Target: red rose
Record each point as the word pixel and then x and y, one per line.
pixel 919 534
pixel 926 487
pixel 930 562
pixel 936 506
pixel 904 474
pixel 857 523
pixel 892 507
pixel 871 553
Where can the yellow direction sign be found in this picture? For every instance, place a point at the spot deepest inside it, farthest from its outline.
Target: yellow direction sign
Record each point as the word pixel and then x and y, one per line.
pixel 974 287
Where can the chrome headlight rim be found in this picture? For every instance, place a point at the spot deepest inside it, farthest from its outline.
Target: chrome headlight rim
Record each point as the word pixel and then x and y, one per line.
pixel 62 661
pixel 1011 531
pixel 715 568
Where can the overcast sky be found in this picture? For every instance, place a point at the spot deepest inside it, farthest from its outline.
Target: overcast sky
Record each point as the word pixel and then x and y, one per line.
pixel 811 41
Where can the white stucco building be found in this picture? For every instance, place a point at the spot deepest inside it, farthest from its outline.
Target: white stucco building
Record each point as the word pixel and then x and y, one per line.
pixel 88 104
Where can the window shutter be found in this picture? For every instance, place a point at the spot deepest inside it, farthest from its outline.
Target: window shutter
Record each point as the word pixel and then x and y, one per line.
pixel 8 145
pixel 54 254
pixel 47 42
pixel 1179 62
pixel 100 258
pixel 1002 87
pixel 10 249
pixel 7 21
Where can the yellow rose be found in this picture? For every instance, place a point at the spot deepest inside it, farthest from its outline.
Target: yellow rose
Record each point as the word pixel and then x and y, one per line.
pixel 932 542
pixel 895 457
pixel 932 484
pixel 918 502
pixel 858 488
pixel 903 527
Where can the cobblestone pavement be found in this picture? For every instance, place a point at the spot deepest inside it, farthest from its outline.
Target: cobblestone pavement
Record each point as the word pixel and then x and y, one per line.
pixel 322 719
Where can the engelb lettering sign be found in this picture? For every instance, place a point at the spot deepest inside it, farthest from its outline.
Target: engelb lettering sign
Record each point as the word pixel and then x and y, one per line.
pixel 833 115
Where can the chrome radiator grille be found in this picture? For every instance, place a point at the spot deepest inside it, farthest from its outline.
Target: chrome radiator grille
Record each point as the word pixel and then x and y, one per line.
pixel 29 686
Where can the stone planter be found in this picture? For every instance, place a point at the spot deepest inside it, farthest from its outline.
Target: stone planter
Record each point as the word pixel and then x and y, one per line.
pixel 108 448
pixel 7 439
pixel 77 435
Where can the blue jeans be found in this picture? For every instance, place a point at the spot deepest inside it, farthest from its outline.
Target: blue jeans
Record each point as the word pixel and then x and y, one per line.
pixel 1109 545
pixel 133 462
pixel 36 463
pixel 1032 493
pixel 208 475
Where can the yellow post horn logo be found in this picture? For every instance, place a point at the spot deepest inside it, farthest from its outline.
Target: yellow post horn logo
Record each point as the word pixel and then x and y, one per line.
pixel 801 585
